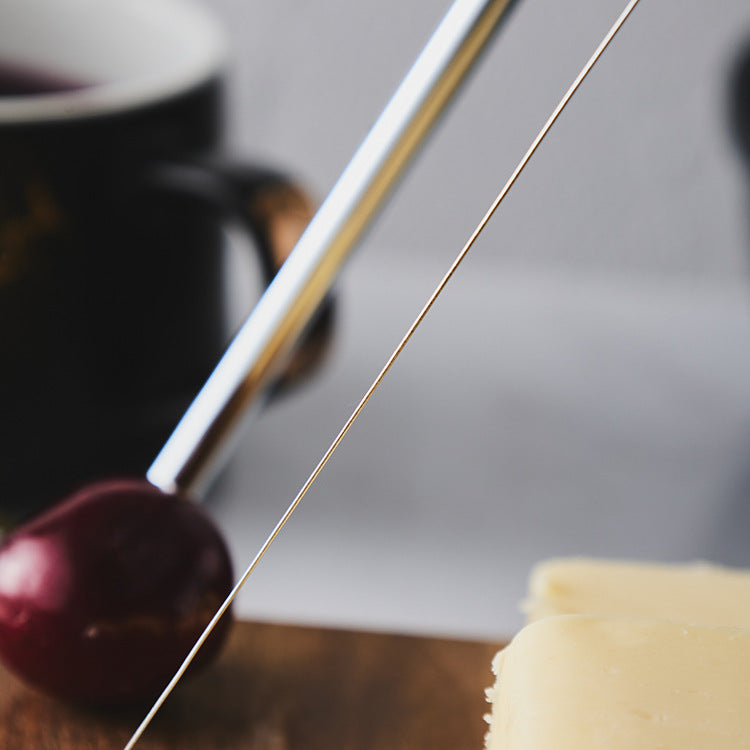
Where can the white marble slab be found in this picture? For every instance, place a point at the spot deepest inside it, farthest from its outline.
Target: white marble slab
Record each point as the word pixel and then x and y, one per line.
pixel 534 414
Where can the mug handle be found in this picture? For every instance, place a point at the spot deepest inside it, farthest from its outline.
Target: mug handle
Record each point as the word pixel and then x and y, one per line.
pixel 274 210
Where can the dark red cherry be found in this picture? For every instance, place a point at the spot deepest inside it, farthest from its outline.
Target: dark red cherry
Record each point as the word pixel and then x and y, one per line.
pixel 102 596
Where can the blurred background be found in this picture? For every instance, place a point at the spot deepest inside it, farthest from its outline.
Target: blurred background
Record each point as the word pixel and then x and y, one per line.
pixel 583 387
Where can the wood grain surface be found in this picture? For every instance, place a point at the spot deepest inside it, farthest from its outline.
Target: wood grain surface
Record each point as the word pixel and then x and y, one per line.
pixel 287 687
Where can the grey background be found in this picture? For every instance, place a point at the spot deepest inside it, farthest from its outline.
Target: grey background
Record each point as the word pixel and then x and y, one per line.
pixel 584 384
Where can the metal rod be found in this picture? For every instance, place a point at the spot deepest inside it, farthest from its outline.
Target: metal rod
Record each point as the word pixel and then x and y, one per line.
pixel 207 431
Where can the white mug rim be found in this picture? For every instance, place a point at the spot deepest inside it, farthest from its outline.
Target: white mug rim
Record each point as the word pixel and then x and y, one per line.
pixel 116 96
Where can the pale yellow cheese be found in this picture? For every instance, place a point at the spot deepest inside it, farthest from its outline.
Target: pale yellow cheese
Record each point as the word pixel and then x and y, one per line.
pixel 697 593
pixel 577 682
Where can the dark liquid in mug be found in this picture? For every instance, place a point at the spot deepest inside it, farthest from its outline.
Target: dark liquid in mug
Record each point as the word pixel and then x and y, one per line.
pixel 19 80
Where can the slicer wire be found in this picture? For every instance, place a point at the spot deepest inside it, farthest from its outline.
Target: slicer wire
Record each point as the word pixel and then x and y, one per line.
pixel 384 371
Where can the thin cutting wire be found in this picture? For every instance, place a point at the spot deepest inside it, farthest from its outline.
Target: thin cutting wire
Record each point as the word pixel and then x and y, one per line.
pixel 381 375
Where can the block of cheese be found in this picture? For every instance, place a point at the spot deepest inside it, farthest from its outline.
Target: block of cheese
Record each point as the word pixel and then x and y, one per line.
pixel 697 593
pixel 578 682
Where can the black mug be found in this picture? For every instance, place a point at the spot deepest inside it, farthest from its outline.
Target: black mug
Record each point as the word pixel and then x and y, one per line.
pixel 113 198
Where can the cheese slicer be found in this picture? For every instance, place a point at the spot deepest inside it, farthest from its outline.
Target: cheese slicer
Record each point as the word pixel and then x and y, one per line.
pixel 216 620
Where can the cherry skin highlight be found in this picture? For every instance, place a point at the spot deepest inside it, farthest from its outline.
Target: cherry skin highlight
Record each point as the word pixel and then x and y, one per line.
pixel 103 596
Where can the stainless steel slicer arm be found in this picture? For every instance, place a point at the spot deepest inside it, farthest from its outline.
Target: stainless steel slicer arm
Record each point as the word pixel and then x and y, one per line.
pixel 208 429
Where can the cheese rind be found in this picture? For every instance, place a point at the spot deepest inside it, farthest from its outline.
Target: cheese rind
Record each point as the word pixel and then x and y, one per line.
pixel 577 682
pixel 696 593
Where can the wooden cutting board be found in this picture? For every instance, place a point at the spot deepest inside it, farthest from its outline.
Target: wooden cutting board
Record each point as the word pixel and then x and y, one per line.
pixel 287 688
